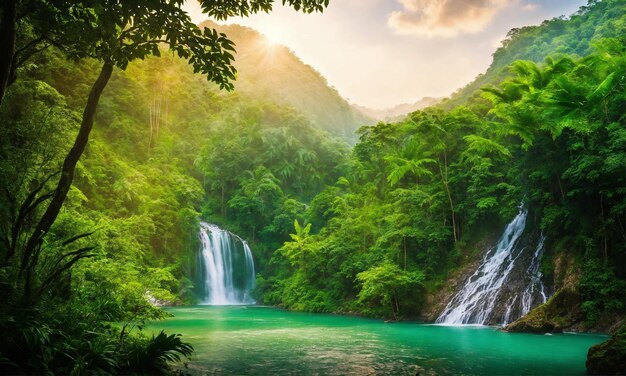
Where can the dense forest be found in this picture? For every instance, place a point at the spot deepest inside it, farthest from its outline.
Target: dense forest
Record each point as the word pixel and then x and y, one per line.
pixel 419 195
pixel 375 229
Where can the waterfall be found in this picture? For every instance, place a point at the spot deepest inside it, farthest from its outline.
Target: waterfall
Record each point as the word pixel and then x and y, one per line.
pixel 536 285
pixel 502 288
pixel 227 267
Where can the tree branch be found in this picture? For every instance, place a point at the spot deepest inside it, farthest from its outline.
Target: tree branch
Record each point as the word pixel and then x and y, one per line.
pixel 78 255
pixel 67 171
pixel 8 20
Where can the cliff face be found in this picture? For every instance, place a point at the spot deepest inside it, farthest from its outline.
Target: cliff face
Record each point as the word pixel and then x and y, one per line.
pixel 563 311
pixel 500 281
pixel 437 300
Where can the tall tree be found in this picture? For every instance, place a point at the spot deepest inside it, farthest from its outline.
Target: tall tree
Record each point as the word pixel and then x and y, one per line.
pixel 116 32
pixel 8 18
pixel 50 18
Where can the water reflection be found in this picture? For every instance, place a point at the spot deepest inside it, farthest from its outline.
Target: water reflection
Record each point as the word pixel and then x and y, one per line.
pixel 267 341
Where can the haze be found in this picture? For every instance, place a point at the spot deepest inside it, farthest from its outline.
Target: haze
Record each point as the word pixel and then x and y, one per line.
pixel 381 53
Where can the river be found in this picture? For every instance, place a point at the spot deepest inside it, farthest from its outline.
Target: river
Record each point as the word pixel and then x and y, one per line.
pixel 256 340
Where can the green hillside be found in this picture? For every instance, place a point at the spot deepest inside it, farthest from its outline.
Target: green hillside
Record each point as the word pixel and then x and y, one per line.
pixel 276 73
pixel 94 241
pixel 422 195
pixel 565 35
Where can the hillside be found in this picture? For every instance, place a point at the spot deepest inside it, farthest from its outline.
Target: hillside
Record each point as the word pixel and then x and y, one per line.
pixel 573 35
pixel 423 195
pixel 399 111
pixel 114 151
pixel 277 74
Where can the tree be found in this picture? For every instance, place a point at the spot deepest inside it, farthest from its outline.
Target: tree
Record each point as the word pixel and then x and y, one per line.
pixel 407 160
pixel 116 32
pixel 256 200
pixel 298 247
pixel 387 284
pixel 8 18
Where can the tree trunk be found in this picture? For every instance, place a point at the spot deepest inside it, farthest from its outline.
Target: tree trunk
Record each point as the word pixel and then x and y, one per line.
pixel 152 117
pixel 404 244
pixel 8 12
pixel 67 173
pixel 605 248
pixel 444 178
pixel 167 106
pixel 558 179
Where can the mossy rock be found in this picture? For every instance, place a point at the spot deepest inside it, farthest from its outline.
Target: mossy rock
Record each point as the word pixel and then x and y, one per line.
pixel 560 312
pixel 608 358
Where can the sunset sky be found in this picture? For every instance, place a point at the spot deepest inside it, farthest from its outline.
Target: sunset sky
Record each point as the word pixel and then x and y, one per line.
pixel 380 53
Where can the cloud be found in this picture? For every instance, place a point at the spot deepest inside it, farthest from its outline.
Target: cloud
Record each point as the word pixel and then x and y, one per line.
pixel 530 6
pixel 444 18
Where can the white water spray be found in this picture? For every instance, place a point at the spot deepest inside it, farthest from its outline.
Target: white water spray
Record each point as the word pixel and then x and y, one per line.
pixel 535 284
pixel 221 262
pixel 495 292
pixel 474 303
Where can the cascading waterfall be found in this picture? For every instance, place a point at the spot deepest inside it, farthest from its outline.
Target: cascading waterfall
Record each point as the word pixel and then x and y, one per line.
pixel 227 267
pixel 501 288
pixel 529 296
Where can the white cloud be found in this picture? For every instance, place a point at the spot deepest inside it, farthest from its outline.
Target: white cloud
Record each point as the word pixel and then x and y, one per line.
pixel 530 6
pixel 444 18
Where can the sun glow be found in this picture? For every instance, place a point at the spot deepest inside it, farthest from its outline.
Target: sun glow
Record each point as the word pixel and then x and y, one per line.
pixel 273 37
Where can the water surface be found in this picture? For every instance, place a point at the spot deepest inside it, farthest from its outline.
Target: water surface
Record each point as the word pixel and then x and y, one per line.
pixel 253 340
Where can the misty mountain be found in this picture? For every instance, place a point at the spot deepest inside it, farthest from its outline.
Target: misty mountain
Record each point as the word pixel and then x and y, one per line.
pixel 275 73
pixel 398 112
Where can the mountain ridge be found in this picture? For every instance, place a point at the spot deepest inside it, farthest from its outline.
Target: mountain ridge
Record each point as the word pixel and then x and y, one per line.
pixel 399 111
pixel 276 73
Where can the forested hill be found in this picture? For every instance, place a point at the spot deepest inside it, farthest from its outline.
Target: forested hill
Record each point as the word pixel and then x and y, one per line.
pixel 399 111
pixel 277 74
pixel 423 197
pixel 167 150
pixel 563 35
pixel 377 230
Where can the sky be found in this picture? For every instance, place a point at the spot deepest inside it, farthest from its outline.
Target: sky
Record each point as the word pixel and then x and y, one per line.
pixel 382 53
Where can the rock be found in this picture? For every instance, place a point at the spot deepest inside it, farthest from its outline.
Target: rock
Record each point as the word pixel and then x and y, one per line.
pixel 436 302
pixel 157 302
pixel 561 311
pixel 608 358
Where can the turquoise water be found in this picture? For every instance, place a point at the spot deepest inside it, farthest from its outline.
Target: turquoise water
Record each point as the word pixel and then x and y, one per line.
pixel 252 340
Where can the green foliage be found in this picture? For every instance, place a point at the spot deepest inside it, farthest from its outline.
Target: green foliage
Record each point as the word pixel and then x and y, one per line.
pixel 137 188
pixel 366 231
pixel 387 284
pixel 151 356
pixel 573 36
pixel 261 164
pixel 602 291
pixel 245 8
pixel 417 193
pixel 73 339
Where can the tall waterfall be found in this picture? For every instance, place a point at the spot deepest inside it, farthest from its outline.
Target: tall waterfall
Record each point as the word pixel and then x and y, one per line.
pixel 227 267
pixel 503 287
